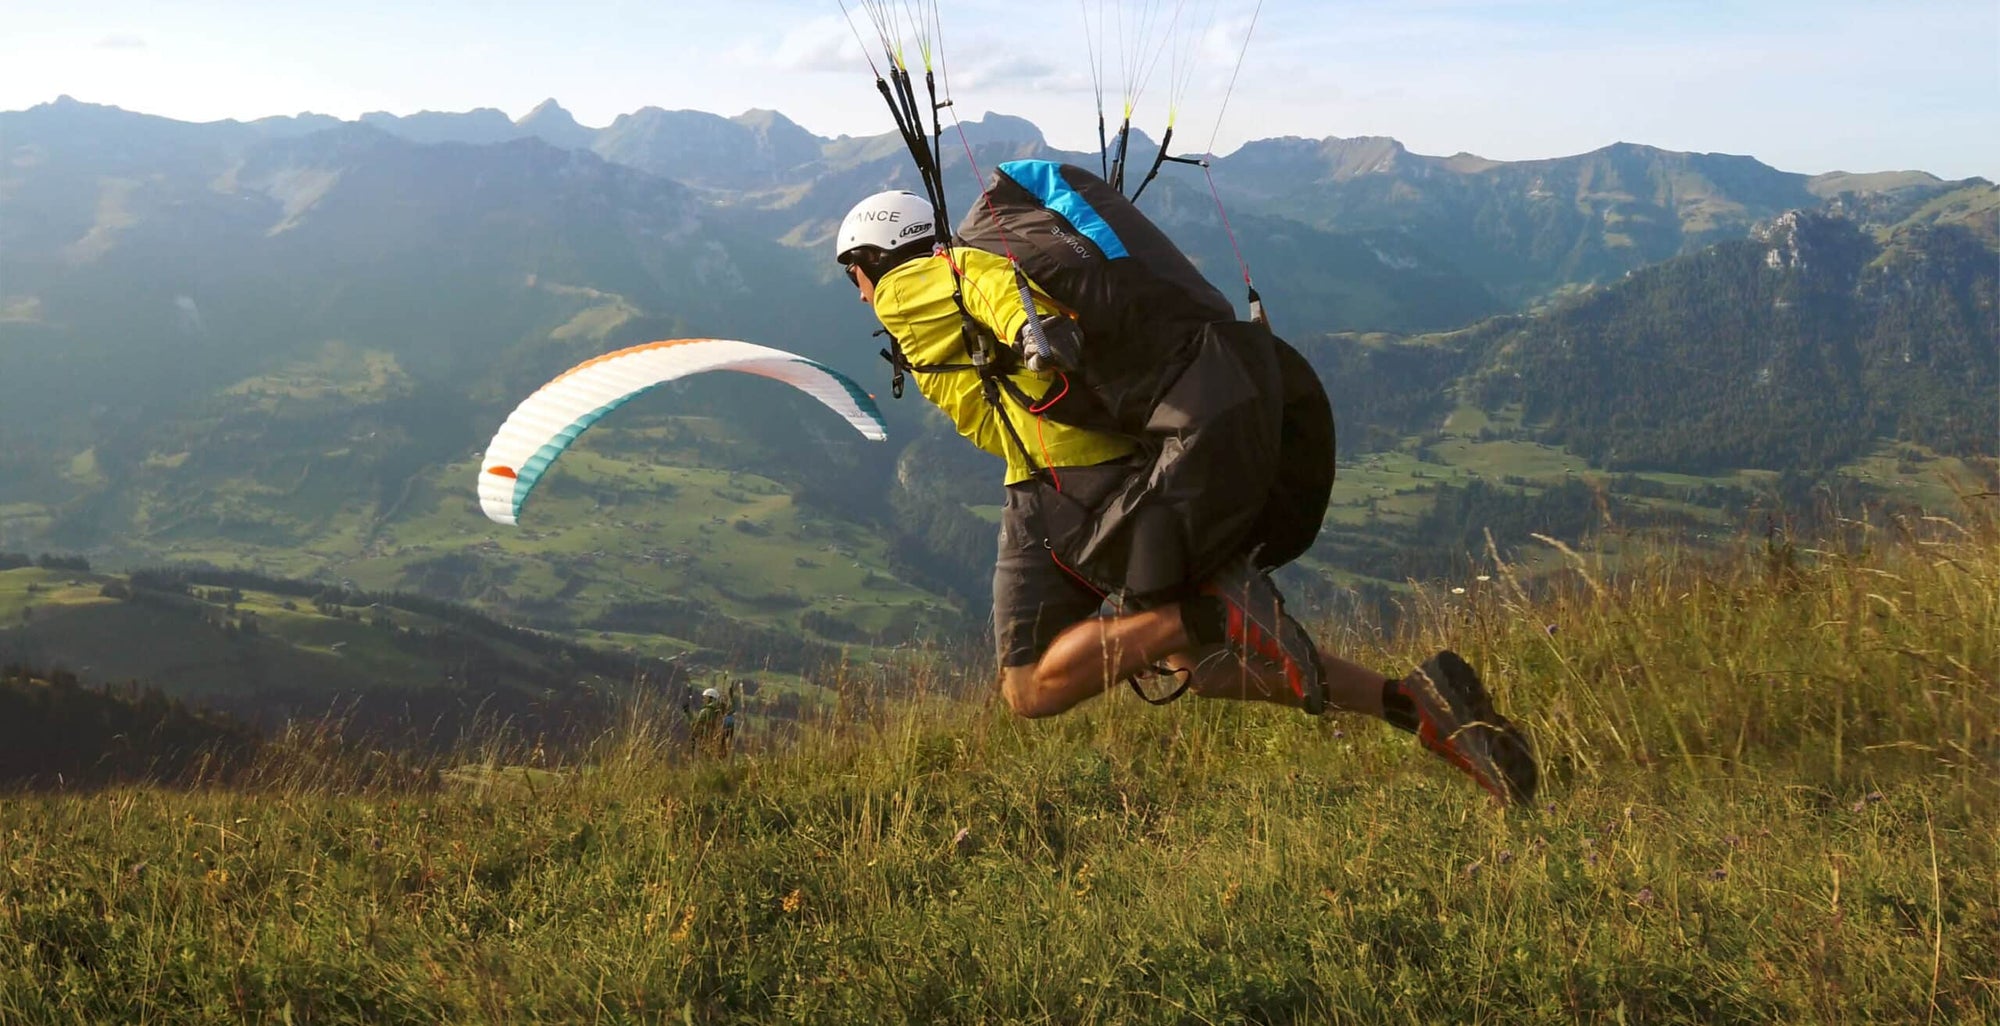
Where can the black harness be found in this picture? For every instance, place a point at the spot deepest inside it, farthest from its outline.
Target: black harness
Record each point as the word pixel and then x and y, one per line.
pixel 995 362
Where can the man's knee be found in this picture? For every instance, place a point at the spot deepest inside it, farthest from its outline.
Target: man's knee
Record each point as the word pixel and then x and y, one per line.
pixel 1026 693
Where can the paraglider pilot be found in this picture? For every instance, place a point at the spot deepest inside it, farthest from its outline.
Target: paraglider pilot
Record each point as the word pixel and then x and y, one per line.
pixel 1227 636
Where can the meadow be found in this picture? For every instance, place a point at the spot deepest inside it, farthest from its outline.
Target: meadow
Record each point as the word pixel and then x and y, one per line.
pixel 1771 794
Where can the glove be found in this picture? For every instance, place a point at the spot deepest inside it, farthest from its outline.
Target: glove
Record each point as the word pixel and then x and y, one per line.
pixel 1052 343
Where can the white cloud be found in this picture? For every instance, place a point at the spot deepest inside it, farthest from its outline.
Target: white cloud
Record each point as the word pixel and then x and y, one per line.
pixel 820 45
pixel 121 41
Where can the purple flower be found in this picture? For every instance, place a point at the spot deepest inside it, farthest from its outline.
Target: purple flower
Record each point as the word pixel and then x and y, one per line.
pixel 1718 874
pixel 1505 857
pixel 1644 899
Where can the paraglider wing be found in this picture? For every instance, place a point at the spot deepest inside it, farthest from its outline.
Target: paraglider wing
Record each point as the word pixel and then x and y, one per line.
pixel 547 422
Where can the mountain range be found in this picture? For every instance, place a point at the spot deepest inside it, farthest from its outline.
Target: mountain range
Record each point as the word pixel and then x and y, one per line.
pixel 1519 228
pixel 279 344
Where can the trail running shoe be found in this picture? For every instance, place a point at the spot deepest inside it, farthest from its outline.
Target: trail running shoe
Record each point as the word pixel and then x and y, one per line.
pixel 1456 719
pixel 1257 625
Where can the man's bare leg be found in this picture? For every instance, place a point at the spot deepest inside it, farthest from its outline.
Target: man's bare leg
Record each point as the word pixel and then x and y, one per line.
pixel 1350 687
pixel 1089 657
pixel 1092 655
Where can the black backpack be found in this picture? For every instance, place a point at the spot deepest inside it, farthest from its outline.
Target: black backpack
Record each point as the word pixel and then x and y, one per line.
pixel 1226 413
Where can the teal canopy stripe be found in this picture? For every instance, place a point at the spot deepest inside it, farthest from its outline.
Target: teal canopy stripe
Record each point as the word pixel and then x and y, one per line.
pixel 854 391
pixel 531 471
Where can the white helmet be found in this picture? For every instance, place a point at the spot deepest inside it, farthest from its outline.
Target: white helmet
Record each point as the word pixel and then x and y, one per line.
pixel 886 221
pixel 710 694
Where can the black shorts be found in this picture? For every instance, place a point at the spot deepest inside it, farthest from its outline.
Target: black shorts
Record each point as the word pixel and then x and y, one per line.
pixel 1034 598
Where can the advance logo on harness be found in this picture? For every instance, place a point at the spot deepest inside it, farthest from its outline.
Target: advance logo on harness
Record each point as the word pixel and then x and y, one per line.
pixel 1075 244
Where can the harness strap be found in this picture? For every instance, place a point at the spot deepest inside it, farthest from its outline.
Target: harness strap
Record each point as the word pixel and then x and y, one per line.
pixel 993 380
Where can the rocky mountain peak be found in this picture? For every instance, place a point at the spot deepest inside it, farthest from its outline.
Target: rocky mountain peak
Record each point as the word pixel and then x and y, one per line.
pixel 1004 128
pixel 556 126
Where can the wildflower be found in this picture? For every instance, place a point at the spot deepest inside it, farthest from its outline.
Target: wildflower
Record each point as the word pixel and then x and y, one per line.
pixel 1483 578
pixel 1472 870
pixel 1505 857
pixel 1337 732
pixel 1458 591
pixel 1733 841
pixel 792 902
pixel 1718 874
pixel 1643 899
pixel 1551 628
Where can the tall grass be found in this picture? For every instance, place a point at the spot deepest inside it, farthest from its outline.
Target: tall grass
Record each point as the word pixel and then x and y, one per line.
pixel 1771 796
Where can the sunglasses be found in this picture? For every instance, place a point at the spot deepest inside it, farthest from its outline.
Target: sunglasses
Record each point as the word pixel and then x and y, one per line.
pixel 853 274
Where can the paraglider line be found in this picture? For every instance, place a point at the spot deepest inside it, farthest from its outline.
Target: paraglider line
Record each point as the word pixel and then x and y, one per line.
pixel 1219 111
pixel 979 176
pixel 1054 477
pixel 1212 191
pixel 857 39
pixel 1080 579
pixel 1038 408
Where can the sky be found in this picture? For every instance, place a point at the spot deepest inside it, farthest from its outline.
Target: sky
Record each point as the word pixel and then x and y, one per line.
pixel 1804 85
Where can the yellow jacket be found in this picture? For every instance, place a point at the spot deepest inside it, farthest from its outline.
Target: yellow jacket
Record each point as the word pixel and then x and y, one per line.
pixel 914 303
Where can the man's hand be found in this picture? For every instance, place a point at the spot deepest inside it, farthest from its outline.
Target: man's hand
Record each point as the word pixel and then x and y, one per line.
pixel 1052 343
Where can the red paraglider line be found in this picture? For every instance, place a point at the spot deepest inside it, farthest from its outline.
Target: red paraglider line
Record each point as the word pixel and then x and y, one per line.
pixel 1212 191
pixel 978 176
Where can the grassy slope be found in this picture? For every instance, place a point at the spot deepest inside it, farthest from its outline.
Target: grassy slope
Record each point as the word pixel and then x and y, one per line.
pixel 1393 479
pixel 1771 796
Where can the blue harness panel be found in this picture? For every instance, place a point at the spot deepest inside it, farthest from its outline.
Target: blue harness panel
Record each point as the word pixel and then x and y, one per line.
pixel 1043 178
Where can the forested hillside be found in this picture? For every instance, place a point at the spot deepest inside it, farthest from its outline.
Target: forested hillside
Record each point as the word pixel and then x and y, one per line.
pixel 1799 349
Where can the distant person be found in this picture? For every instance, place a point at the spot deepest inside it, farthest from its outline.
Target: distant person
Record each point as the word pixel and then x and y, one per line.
pixel 1055 649
pixel 713 725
